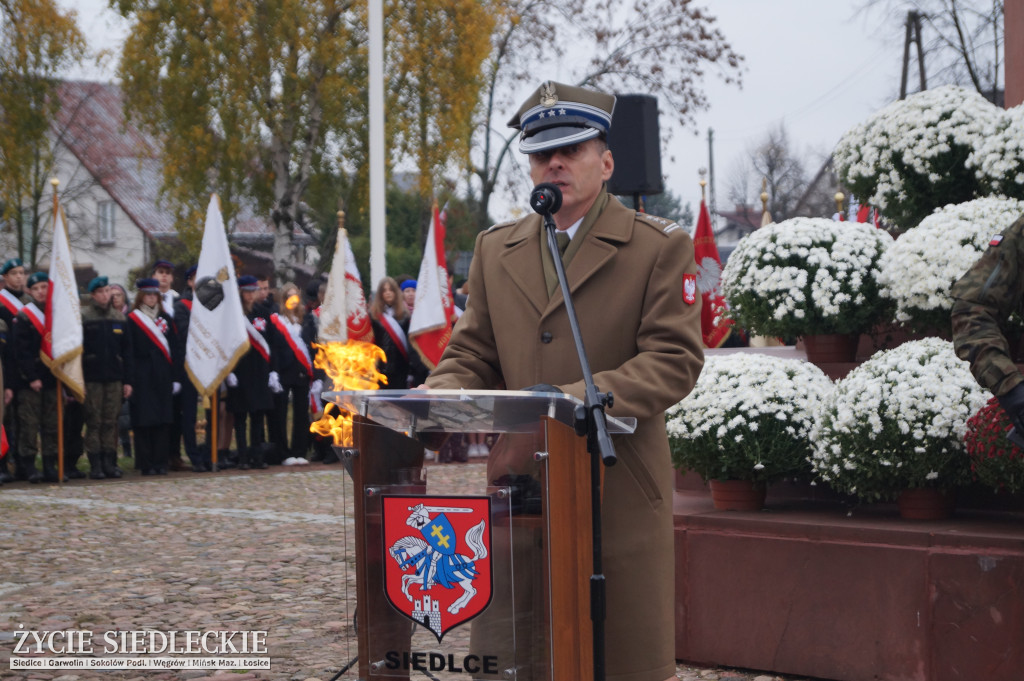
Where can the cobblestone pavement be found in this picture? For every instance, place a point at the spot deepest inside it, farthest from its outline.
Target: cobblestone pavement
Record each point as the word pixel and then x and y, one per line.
pixel 263 551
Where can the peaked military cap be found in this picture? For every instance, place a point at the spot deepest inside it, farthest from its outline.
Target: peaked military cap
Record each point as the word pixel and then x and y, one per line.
pixel 558 115
pixel 10 265
pixel 98 282
pixel 247 282
pixel 37 277
pixel 163 264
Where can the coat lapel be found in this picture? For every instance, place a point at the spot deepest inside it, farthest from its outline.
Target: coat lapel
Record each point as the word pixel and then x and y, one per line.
pixel 614 227
pixel 521 260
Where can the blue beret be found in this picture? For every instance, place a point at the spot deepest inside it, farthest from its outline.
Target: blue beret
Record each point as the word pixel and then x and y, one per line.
pixel 36 278
pixel 98 282
pixel 247 282
pixel 147 285
pixel 11 264
pixel 408 283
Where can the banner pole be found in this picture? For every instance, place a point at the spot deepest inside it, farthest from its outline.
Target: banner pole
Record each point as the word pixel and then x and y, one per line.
pixel 60 432
pixel 213 428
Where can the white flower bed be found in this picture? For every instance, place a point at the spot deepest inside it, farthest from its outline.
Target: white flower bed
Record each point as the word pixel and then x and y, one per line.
pixel 749 417
pixel 920 267
pixel 916 147
pixel 999 158
pixel 804 276
pixel 898 421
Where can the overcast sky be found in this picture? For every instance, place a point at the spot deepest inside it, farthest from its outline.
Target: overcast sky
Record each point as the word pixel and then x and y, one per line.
pixel 817 66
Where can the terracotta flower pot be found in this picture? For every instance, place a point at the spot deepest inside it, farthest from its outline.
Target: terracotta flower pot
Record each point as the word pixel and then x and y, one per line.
pixel 737 495
pixel 828 348
pixel 926 503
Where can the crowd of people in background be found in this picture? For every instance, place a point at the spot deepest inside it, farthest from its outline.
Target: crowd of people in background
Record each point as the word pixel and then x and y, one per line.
pixel 139 397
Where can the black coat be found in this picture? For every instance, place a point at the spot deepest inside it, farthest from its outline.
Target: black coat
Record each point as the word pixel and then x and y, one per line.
pixel 182 317
pixel 106 350
pixel 252 393
pixel 290 368
pixel 27 341
pixel 152 376
pixel 397 365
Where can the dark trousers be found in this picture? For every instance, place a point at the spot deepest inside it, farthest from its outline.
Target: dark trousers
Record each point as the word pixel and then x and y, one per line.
pixel 74 422
pixel 174 429
pixel 189 399
pixel 255 436
pixel 151 448
pixel 298 397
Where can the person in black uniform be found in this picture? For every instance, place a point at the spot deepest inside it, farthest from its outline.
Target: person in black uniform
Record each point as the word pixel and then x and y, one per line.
pixel 12 299
pixel 294 359
pixel 200 458
pixel 250 384
pixel 37 397
pixel 106 366
pixel 389 318
pixel 154 349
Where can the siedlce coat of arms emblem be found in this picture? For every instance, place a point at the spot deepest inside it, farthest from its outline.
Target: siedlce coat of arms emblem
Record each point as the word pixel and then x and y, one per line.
pixel 437 563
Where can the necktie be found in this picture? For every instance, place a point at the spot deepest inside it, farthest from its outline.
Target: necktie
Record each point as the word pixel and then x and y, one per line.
pixel 563 241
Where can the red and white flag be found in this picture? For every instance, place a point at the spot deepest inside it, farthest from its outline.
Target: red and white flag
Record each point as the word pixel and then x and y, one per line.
pixel 61 349
pixel 713 327
pixel 343 315
pixel 433 315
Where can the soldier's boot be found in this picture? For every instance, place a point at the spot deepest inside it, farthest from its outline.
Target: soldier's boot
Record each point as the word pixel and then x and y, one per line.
pixel 28 465
pixel 243 458
pixel 50 469
pixel 96 466
pixel 5 475
pixel 109 461
pixel 71 468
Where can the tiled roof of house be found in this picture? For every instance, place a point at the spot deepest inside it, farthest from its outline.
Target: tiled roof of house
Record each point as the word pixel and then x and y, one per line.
pixel 125 160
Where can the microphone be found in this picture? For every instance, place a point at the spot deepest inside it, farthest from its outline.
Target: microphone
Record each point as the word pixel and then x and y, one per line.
pixel 546 198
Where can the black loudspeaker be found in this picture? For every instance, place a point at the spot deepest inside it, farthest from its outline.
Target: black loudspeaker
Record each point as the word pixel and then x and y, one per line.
pixel 636 146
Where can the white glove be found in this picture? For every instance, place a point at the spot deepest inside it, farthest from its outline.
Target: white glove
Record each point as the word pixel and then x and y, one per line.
pixel 175 388
pixel 275 383
pixel 316 403
pixel 232 380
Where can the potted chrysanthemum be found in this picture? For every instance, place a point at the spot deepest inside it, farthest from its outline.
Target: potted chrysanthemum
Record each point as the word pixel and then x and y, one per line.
pixel 920 267
pixel 748 420
pixel 999 158
pixel 897 423
pixel 807 277
pixel 912 156
pixel 995 461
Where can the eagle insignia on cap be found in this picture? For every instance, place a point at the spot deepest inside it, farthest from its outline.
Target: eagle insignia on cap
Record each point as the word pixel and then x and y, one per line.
pixel 548 96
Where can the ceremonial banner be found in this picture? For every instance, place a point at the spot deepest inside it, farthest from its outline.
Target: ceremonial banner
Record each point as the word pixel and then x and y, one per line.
pixel 713 328
pixel 217 338
pixel 343 315
pixel 61 349
pixel 433 315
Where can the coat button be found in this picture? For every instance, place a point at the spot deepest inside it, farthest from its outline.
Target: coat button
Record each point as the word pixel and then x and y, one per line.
pixel 545 337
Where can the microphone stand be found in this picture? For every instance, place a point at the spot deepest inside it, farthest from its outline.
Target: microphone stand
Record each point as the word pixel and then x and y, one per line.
pixel 589 420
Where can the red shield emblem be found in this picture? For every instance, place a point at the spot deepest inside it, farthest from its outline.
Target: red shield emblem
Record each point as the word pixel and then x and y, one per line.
pixel 437 558
pixel 690 288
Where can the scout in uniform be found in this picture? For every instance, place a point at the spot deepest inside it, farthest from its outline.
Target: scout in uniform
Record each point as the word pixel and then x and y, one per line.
pixel 12 299
pixel 106 365
pixel 37 397
pixel 154 349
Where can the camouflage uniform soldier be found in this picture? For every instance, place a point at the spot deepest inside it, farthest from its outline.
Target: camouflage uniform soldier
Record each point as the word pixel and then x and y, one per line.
pixel 105 358
pixel 37 398
pixel 983 301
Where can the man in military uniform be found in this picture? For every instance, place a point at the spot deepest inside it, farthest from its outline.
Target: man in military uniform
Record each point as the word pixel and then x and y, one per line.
pixel 105 365
pixel 983 300
pixel 12 299
pixel 622 266
pixel 37 398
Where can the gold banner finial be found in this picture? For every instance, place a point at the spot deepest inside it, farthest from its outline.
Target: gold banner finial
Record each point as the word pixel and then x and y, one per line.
pixel 839 197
